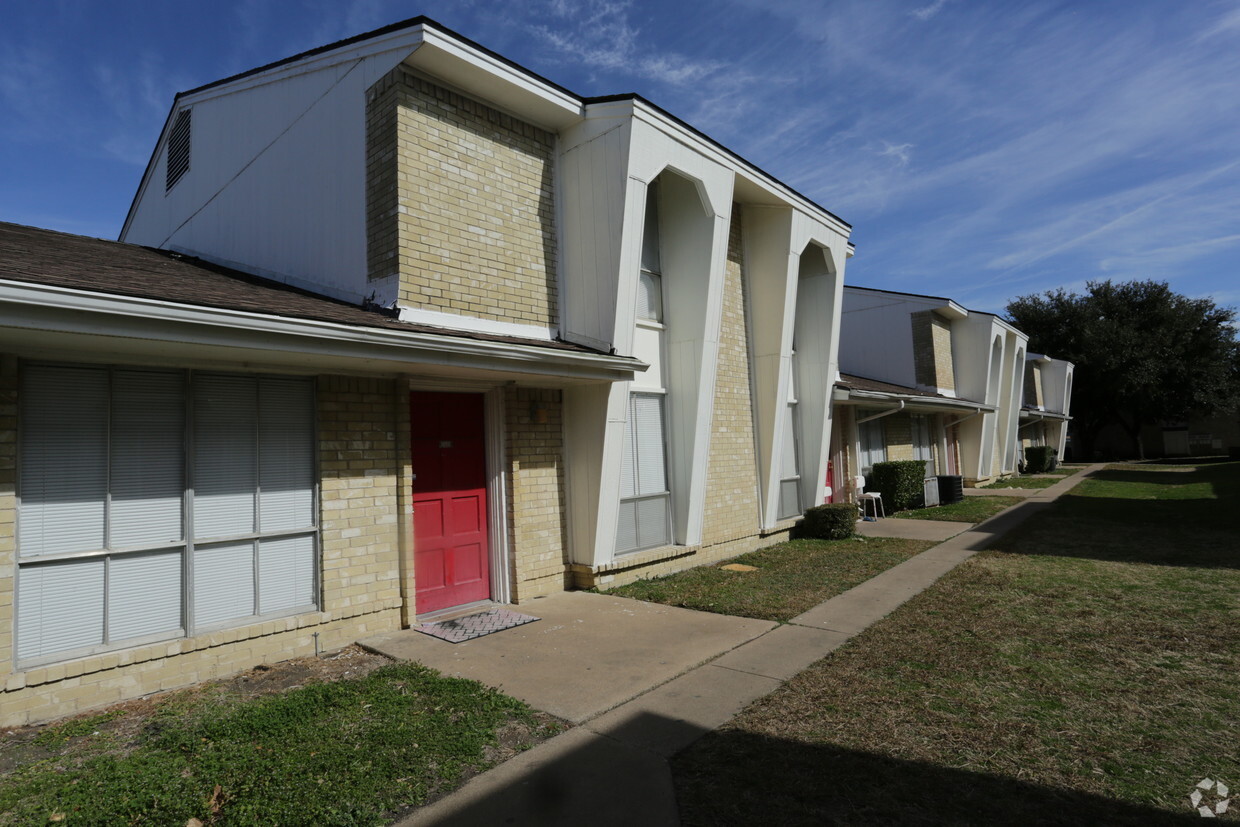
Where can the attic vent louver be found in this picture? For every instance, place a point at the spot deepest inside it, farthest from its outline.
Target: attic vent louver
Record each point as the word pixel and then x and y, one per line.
pixel 178 148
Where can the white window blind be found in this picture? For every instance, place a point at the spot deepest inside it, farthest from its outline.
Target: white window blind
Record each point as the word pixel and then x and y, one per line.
pixel 147 477
pixel 225 455
pixel 102 476
pixel 286 574
pixel 144 594
pixel 223 583
pixel 64 460
pixel 286 468
pixel 59 607
pixel 789 485
pixel 873 447
pixel 922 447
pixel 644 520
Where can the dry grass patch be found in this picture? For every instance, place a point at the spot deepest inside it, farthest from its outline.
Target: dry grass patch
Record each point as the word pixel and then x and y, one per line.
pixel 791 577
pixel 1083 673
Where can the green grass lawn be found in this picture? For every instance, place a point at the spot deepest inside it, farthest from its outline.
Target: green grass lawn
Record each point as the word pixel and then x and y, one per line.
pixel 791 577
pixel 1082 672
pixel 968 510
pixel 1026 482
pixel 353 751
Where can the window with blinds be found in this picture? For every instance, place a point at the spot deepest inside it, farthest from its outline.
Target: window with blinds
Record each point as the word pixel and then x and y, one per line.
pixel 923 448
pixel 155 504
pixel 790 477
pixel 873 445
pixel 645 501
pixel 650 281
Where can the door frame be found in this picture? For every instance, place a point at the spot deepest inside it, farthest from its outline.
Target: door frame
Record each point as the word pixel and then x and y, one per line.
pixel 496 459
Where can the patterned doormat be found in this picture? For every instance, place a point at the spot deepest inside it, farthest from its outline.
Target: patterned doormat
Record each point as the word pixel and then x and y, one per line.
pixel 461 629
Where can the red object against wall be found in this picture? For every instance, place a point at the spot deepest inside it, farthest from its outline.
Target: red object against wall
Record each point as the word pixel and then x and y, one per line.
pixel 830 481
pixel 450 548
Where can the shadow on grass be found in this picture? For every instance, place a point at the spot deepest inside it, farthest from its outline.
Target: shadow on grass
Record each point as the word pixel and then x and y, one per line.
pixel 732 777
pixel 619 778
pixel 1189 518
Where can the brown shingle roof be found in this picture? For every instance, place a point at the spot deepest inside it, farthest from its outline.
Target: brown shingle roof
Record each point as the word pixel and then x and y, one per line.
pixel 860 383
pixel 38 256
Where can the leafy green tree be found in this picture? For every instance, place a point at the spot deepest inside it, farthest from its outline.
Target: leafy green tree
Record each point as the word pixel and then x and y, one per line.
pixel 1143 353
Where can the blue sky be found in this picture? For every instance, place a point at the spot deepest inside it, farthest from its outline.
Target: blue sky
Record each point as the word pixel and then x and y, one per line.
pixel 981 150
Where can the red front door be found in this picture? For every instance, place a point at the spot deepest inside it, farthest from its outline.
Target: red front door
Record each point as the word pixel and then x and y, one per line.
pixel 450 548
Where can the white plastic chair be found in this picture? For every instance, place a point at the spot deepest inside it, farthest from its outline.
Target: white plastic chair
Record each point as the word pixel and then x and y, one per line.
pixel 873 498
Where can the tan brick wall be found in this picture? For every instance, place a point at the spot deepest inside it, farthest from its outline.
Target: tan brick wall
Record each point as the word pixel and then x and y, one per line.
pixel 584 578
pixel 460 202
pixel 534 429
pixel 359 465
pixel 932 351
pixel 898 433
pixel 87 683
pixel 732 509
pixel 360 585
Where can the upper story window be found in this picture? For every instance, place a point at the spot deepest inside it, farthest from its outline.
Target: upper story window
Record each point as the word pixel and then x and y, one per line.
pixel 178 149
pixel 650 284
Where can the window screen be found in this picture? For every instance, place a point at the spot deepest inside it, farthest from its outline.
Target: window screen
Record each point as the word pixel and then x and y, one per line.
pixel 106 495
pixel 789 484
pixel 873 447
pixel 644 497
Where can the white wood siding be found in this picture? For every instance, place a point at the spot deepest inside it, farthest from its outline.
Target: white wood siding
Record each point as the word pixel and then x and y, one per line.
pixel 277 180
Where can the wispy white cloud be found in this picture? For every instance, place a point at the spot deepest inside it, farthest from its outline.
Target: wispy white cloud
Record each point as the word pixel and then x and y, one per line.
pixel 599 34
pixel 901 152
pixel 926 12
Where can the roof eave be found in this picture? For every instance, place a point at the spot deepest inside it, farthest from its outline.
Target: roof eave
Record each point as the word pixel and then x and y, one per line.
pixel 44 307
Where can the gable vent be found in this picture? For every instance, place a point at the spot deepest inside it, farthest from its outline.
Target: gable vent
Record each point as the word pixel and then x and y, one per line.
pixel 178 148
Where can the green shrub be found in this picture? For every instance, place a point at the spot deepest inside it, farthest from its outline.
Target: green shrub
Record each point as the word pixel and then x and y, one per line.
pixel 833 521
pixel 901 483
pixel 1040 458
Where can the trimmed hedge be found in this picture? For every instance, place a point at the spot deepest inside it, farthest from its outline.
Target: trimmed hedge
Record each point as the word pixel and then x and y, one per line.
pixel 833 521
pixel 901 482
pixel 1040 458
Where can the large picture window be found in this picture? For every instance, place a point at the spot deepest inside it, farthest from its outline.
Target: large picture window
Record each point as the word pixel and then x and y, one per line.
pixel 155 504
pixel 645 501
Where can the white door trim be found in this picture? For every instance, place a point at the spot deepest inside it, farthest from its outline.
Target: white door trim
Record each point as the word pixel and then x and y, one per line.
pixel 496 461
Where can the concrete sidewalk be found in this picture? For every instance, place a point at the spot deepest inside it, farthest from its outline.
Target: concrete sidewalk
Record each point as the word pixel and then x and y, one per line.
pixel 587 654
pixel 613 768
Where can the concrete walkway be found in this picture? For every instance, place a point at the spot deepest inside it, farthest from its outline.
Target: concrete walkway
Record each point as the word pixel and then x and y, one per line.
pixel 613 769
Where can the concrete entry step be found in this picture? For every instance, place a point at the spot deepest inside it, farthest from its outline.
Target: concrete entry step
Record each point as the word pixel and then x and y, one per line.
pixel 588 654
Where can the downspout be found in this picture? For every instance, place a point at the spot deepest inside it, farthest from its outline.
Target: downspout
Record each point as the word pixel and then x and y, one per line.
pixel 956 422
pixel 882 414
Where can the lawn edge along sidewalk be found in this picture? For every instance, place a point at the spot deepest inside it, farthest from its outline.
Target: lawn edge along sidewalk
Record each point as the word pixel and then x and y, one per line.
pixel 620 757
